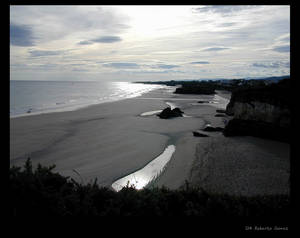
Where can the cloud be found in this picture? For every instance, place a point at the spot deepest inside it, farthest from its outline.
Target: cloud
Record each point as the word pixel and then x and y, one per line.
pixel 85 42
pixel 121 65
pixel 80 70
pixel 107 39
pixel 284 38
pixel 154 71
pixel 284 48
pixel 167 66
pixel 221 9
pixel 102 39
pixel 187 41
pixel 57 22
pixel 215 48
pixel 271 64
pixel 227 24
pixel 200 62
pixel 39 53
pixel 21 35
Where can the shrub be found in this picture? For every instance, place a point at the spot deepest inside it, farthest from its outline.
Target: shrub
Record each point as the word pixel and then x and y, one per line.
pixel 43 192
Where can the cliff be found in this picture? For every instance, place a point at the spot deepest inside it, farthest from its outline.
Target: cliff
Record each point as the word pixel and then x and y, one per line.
pixel 261 111
pixel 196 88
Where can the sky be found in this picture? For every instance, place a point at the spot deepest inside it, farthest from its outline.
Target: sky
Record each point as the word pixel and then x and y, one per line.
pixel 139 43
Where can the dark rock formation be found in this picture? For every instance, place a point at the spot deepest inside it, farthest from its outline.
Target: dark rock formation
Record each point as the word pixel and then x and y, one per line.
pixel 238 127
pixel 198 134
pixel 220 115
pixel 212 129
pixel 177 110
pixel 194 90
pixel 221 111
pixel 261 111
pixel 168 113
pixel 202 87
pixel 266 103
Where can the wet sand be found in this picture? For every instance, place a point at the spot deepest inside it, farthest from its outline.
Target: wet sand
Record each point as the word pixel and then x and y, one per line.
pixel 111 140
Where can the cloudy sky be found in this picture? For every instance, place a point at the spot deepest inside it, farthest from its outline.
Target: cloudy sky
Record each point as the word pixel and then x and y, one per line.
pixel 121 43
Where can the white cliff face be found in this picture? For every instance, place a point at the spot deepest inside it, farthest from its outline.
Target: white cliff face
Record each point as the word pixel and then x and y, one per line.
pixel 259 111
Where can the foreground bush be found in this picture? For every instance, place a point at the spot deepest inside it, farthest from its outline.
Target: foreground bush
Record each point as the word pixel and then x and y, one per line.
pixel 43 192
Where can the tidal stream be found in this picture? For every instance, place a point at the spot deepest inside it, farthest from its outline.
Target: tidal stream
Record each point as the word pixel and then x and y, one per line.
pixel 144 176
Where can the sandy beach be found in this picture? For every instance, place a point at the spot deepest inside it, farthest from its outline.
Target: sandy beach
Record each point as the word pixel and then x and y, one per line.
pixel 111 140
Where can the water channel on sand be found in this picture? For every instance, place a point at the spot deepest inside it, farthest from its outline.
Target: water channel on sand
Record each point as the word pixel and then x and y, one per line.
pixel 144 176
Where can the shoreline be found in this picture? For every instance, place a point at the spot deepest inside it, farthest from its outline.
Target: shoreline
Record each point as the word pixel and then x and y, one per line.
pixel 108 141
pixel 70 108
pixel 40 136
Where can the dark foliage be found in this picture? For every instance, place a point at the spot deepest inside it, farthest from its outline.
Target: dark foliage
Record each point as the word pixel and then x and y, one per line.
pixel 44 193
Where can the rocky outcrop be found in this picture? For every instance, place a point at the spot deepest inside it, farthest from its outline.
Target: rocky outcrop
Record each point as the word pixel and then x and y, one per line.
pixel 168 113
pixel 212 129
pixel 237 127
pixel 221 111
pixel 263 112
pixel 196 88
pixel 220 115
pixel 198 134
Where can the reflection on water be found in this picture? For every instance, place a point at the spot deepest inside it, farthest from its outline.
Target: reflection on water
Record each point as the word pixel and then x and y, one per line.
pixel 150 113
pixel 142 177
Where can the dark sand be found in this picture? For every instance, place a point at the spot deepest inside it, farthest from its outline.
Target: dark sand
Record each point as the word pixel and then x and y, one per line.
pixel 110 140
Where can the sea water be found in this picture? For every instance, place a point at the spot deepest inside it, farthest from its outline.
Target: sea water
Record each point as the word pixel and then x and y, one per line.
pixel 36 97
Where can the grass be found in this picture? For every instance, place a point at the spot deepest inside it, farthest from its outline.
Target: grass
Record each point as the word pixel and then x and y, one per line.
pixel 43 192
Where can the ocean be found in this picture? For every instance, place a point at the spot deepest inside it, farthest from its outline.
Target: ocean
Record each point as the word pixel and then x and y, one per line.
pixel 36 97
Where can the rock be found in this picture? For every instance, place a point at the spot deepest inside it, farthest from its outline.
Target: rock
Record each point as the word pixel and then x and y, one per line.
pixel 198 88
pixel 198 134
pixel 238 127
pixel 263 111
pixel 270 104
pixel 203 101
pixel 221 111
pixel 177 110
pixel 168 113
pixel 212 129
pixel 220 115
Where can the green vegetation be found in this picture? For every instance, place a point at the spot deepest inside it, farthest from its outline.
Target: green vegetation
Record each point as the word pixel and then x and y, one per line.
pixel 43 192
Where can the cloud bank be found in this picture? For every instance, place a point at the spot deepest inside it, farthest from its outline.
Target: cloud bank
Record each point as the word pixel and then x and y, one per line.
pixel 140 42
